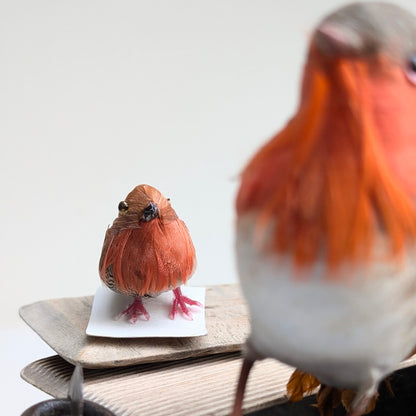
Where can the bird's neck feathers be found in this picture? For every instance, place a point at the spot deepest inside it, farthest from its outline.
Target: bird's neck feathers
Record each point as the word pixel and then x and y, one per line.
pixel 328 181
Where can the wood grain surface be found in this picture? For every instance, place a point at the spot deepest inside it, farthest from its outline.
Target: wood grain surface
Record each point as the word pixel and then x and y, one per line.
pixel 61 323
pixel 198 386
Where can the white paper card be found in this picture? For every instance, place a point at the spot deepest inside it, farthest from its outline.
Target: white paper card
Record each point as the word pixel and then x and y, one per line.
pixel 107 305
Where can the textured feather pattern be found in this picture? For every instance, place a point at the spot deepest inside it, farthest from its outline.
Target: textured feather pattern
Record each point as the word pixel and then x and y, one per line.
pixel 328 398
pixel 146 257
pixel 301 384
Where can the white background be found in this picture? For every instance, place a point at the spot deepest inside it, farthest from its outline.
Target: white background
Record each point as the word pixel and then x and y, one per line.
pixel 97 97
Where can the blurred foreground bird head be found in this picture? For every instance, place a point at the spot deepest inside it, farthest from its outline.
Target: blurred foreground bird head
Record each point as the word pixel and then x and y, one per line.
pixel 343 168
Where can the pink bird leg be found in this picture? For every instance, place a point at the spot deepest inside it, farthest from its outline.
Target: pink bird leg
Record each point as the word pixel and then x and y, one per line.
pixel 134 310
pixel 180 302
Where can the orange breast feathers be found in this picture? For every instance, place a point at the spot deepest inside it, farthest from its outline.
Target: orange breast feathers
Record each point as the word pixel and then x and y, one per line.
pixel 339 172
pixel 148 249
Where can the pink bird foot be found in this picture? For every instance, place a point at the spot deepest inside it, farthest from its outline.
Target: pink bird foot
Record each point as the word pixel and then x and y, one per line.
pixel 134 310
pixel 180 302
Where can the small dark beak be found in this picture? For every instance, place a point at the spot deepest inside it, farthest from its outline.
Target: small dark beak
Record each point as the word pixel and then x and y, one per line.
pixel 150 212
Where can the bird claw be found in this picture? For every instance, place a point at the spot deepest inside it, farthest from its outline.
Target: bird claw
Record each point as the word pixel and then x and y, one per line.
pixel 180 302
pixel 134 310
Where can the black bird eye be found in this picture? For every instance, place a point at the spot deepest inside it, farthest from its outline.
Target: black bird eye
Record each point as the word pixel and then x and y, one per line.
pixel 123 206
pixel 411 69
pixel 412 63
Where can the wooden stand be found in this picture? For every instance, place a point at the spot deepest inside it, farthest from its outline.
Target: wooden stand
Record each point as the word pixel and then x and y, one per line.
pixel 156 376
pixel 61 323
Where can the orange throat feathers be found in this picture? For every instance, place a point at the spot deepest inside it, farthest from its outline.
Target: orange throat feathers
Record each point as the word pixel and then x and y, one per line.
pixel 325 183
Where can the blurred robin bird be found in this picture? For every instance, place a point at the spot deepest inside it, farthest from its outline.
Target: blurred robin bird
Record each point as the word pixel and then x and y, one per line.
pixel 326 221
pixel 148 250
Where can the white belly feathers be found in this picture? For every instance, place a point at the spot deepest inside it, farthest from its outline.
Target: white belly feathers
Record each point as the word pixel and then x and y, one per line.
pixel 342 331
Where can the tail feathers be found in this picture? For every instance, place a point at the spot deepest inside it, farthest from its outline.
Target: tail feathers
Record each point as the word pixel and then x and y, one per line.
pixel 301 384
pixel 328 398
